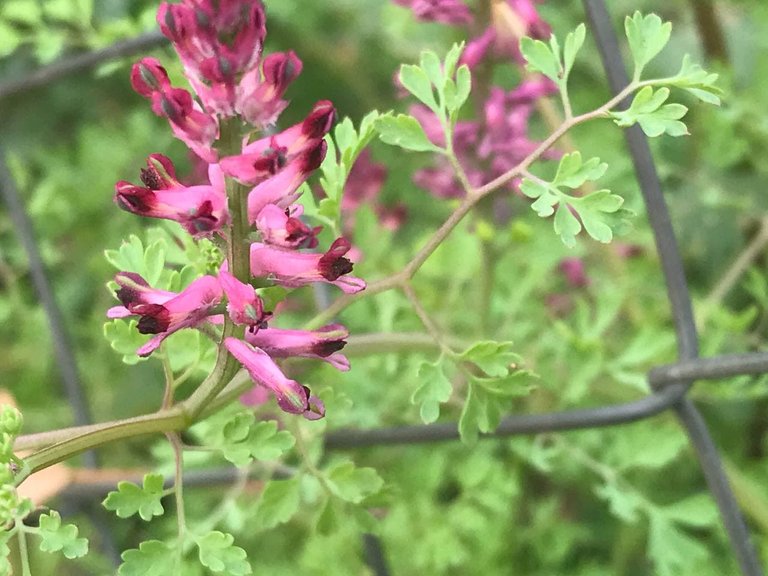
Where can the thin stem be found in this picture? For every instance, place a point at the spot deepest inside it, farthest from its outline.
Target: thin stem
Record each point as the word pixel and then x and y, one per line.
pixel 735 272
pixel 21 535
pixel 178 485
pixel 429 324
pixel 169 383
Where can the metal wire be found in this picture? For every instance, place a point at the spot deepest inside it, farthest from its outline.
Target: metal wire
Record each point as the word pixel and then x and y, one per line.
pixel 668 382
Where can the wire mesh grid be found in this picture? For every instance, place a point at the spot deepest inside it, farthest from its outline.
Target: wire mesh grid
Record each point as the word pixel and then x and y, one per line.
pixel 669 383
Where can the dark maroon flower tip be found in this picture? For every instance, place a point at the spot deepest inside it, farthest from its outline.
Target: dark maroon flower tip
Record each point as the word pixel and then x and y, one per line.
pixel 155 318
pixel 332 264
pixel 313 157
pixel 320 120
pixel 202 220
pixel 159 174
pixel 281 69
pixel 272 160
pixel 325 349
pixel 130 288
pixel 134 199
pixel 301 234
pixel 148 76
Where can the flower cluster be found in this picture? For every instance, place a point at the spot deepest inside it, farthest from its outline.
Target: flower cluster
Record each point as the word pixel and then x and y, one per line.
pixel 220 46
pixel 498 140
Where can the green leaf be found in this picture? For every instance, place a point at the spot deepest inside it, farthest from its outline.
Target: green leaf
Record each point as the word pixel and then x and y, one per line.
pixel 592 210
pixel 541 58
pixel 654 117
pixel 353 484
pixel 494 358
pixel 416 81
pixel 124 337
pixel 452 58
pixel 473 417
pixel 567 226
pixel 279 502
pixel 435 389
pixel 671 549
pixel 624 504
pixel 697 511
pixel 573 43
pixel 695 80
pixel 647 36
pixel 130 498
pixel 430 66
pixel 153 558
pixel 242 440
pixel 404 131
pixel 219 555
pixel 463 88
pixel 133 257
pixel 60 537
pixel 572 172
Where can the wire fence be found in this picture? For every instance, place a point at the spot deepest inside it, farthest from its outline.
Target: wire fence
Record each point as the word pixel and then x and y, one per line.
pixel 669 383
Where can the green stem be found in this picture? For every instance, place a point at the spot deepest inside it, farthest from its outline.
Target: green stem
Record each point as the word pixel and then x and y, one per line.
pixel 178 485
pixel 21 534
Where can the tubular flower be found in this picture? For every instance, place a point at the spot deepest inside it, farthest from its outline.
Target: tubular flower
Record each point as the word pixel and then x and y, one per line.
pixel 291 396
pixel 445 11
pixel 217 42
pixel 293 269
pixel 201 210
pixel 263 158
pixel 244 305
pixel 283 228
pixel 259 95
pixel 323 343
pixel 189 123
pixel 134 291
pixel 184 310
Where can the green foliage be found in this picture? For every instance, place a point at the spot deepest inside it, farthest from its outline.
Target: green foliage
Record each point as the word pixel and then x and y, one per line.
pixel 442 87
pixel 218 554
pixel 647 35
pixel 279 502
pixel 241 439
pixel 600 212
pixel 353 484
pixel 152 558
pixel 435 389
pixel 550 60
pixel 130 499
pixel 655 117
pixel 405 132
pixel 343 150
pixel 58 537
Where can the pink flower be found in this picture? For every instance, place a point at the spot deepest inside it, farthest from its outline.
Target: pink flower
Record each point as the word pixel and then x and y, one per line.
pixel 291 396
pixel 189 123
pixel 445 11
pixel 162 316
pixel 259 95
pixel 292 269
pixel 244 305
pixel 201 210
pixel 280 227
pixel 322 343
pixel 282 189
pixel 573 270
pixel 263 158
pixel 217 42
pixel 134 291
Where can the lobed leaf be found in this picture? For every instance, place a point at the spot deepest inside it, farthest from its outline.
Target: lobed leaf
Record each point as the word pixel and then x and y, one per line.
pixel 152 558
pixel 404 131
pixel 130 499
pixel 58 537
pixel 647 36
pixel 219 555
pixel 434 390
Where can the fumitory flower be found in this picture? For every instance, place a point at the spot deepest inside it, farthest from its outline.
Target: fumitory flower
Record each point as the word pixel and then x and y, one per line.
pixel 243 304
pixel 200 209
pixel 188 121
pixel 291 396
pixel 134 290
pixel 217 42
pixel 323 343
pixel 445 11
pixel 282 227
pixel 291 268
pixel 183 310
